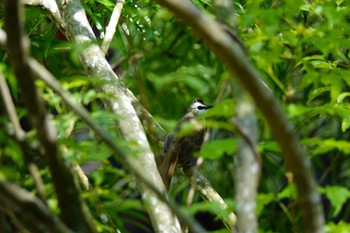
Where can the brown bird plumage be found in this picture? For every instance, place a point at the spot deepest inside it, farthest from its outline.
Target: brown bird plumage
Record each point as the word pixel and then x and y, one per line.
pixel 180 150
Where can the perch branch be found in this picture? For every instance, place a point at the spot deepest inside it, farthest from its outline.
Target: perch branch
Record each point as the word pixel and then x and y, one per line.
pixel 209 194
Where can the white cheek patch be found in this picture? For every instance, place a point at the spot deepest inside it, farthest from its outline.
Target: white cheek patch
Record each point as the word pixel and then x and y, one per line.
pixel 197 104
pixel 199 111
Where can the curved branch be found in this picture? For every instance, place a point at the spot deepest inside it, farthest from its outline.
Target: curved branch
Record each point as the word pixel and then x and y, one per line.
pixel 30 212
pixel 231 54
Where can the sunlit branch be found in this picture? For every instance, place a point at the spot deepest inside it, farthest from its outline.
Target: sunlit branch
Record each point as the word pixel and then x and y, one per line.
pixel 111 27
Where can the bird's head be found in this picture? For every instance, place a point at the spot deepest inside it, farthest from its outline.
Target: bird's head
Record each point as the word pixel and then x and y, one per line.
pixel 198 107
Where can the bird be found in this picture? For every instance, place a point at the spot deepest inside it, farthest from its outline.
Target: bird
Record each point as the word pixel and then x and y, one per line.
pixel 180 150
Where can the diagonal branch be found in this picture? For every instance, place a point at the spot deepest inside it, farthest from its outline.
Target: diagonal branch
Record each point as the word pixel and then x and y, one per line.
pixel 19 136
pixel 129 125
pixel 111 27
pixel 69 198
pixel 209 194
pixel 231 54
pixel 30 212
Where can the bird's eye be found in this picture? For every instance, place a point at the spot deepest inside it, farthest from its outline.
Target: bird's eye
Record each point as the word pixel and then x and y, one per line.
pixel 201 107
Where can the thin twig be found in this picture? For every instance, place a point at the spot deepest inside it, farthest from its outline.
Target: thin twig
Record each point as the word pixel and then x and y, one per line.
pixel 111 27
pixel 19 136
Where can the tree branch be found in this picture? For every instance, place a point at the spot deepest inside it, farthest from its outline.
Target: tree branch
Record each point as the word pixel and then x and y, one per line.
pixel 52 8
pixel 19 136
pixel 231 54
pixel 247 163
pixel 28 210
pixel 129 125
pixel 111 27
pixel 69 199
pixel 209 194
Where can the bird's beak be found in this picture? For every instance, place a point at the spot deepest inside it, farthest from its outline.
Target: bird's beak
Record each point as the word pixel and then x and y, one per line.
pixel 208 107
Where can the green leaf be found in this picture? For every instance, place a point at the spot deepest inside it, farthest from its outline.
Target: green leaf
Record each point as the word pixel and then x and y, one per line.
pixel 263 200
pixel 271 146
pixel 224 109
pixel 340 227
pixel 326 145
pixel 337 195
pixel 189 128
pixel 219 125
pixel 217 148
pixel 214 208
pixel 289 192
pixel 342 96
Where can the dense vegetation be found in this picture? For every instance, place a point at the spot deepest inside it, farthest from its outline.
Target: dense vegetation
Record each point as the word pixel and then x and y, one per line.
pixel 301 50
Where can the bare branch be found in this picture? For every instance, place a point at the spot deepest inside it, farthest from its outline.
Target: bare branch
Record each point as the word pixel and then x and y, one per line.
pixel 231 54
pixel 208 193
pixel 28 210
pixel 10 108
pixel 19 136
pixel 69 198
pixel 247 164
pixel 52 8
pixel 111 27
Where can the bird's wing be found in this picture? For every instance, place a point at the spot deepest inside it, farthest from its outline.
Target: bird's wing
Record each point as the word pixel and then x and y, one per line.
pixel 168 143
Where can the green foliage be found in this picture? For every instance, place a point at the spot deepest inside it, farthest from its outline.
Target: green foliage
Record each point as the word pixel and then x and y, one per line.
pixel 340 227
pixel 337 196
pixel 301 49
pixel 217 148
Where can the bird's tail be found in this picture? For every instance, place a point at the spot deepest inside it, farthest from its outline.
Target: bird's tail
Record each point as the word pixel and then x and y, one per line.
pixel 167 169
